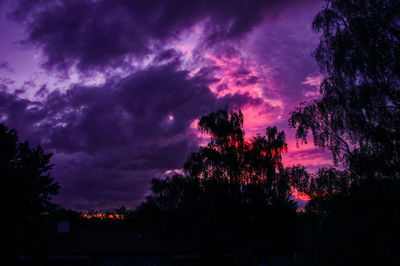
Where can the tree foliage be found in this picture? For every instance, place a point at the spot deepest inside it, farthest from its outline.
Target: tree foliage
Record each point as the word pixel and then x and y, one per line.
pixel 231 184
pixel 26 183
pixel 358 114
pixel 322 187
pixel 229 158
pixel 357 117
pixel 25 196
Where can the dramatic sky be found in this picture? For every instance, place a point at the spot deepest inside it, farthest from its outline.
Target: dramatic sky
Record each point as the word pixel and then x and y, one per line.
pixel 114 88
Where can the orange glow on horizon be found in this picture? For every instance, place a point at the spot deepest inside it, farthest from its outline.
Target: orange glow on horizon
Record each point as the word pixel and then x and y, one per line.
pixel 300 195
pixel 103 216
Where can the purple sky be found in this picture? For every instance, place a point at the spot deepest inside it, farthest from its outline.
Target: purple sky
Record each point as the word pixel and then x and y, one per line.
pixel 114 88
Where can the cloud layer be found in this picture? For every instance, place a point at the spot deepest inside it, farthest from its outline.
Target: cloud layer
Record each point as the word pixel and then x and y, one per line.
pixel 135 76
pixel 99 34
pixel 133 128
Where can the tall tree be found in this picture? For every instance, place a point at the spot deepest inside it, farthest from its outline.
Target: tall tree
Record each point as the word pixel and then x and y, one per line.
pixel 234 190
pixel 227 173
pixel 232 185
pixel 25 196
pixel 357 116
pixel 229 158
pixel 27 185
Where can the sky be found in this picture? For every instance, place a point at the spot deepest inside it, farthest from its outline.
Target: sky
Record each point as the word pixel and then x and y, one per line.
pixel 115 88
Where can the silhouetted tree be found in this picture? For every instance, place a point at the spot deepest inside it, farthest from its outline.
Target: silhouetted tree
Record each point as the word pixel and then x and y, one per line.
pixel 361 227
pixel 233 186
pixel 321 187
pixel 229 158
pixel 357 118
pixel 27 185
pixel 25 194
pixel 358 114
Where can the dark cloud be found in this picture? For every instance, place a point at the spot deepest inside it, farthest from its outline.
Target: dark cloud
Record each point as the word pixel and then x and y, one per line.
pixel 42 91
pixel 100 34
pixel 5 65
pixel 20 114
pixel 110 140
pixel 154 104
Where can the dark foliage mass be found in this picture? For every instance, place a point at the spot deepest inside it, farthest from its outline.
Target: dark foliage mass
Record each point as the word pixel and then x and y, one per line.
pixel 360 227
pixel 27 186
pixel 229 157
pixel 25 195
pixel 357 117
pixel 233 189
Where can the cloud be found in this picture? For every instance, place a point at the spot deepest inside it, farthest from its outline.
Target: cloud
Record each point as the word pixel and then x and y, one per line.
pixel 100 34
pixel 171 61
pixel 110 140
pixel 311 157
pixel 5 66
pixel 285 48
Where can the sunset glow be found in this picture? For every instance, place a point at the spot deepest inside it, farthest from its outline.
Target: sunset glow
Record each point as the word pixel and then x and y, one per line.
pixel 117 97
